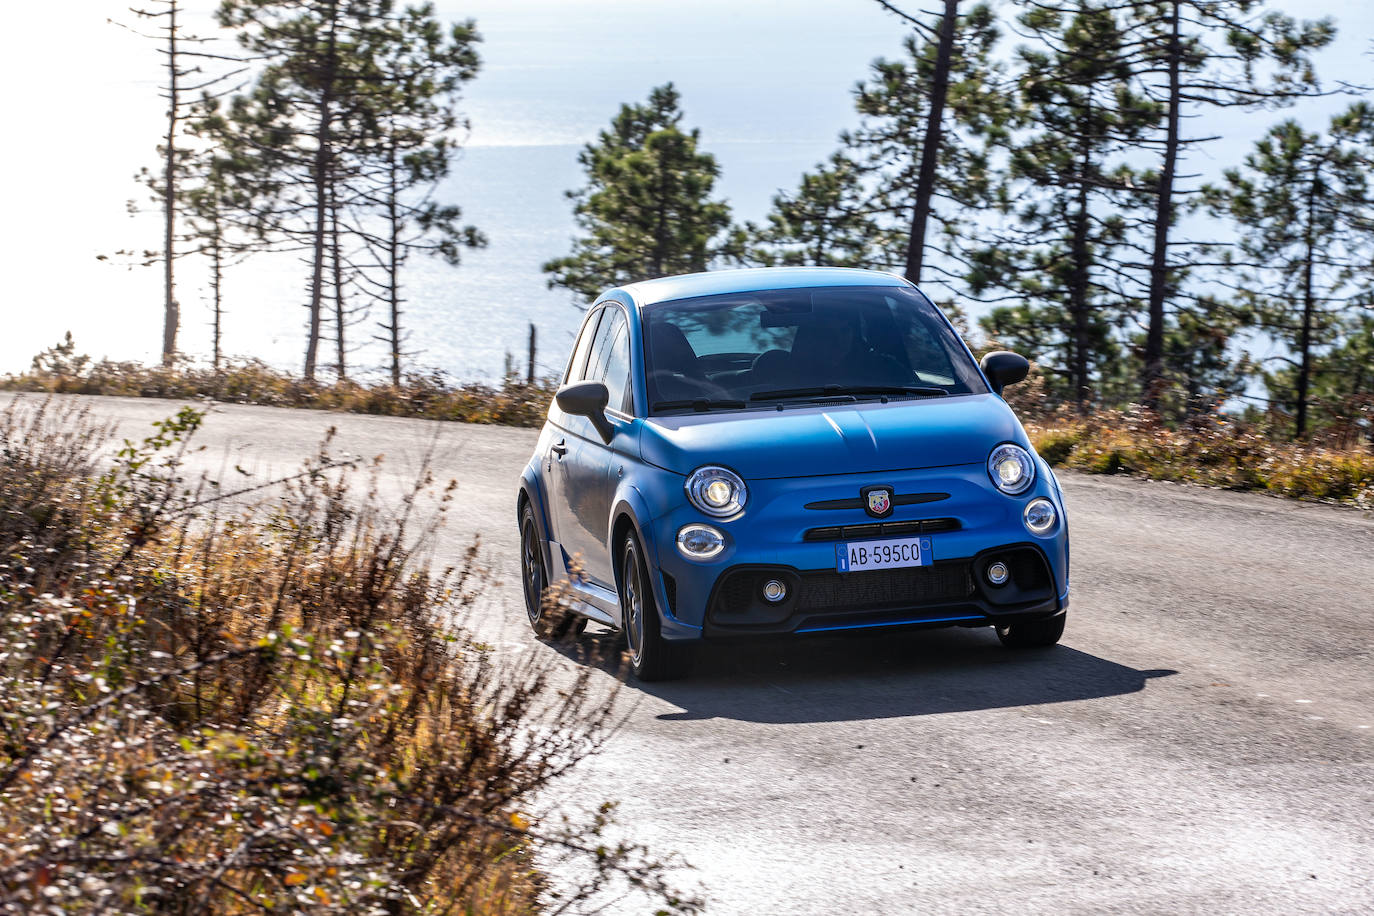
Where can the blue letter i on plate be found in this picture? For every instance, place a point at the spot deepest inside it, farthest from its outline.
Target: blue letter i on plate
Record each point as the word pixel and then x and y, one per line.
pixel 842 557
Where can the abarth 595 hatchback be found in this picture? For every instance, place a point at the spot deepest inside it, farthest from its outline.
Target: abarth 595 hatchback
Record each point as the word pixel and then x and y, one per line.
pixel 786 451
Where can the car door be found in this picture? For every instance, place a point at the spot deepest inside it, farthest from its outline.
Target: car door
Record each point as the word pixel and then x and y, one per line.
pixel 589 467
pixel 565 429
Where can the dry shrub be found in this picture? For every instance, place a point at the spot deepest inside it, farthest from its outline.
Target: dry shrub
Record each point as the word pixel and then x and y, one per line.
pixel 1210 449
pixel 216 710
pixel 431 395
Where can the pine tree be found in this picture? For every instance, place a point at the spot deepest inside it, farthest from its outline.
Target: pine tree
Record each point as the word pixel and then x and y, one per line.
pixel 188 84
pixel 313 120
pixel 1301 202
pixel 925 122
pixel 415 117
pixel 917 164
pixel 646 210
pixel 1193 56
pixel 828 221
pixel 1077 201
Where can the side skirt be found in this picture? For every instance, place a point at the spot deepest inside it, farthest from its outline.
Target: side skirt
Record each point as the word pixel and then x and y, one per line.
pixel 597 604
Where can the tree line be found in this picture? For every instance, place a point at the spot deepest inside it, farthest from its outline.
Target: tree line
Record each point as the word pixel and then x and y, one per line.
pixel 332 150
pixel 1034 160
pixel 1037 162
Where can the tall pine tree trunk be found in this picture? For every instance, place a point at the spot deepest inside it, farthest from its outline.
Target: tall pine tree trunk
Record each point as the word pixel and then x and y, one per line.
pixel 1078 275
pixel 1308 305
pixel 321 168
pixel 1152 376
pixel 930 143
pixel 394 268
pixel 216 289
pixel 171 317
pixel 336 262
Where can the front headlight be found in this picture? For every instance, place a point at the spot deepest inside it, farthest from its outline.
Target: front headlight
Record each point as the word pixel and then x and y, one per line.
pixel 716 491
pixel 1011 468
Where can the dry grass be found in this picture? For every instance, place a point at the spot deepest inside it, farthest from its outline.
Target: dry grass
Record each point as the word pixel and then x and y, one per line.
pixel 1211 451
pixel 215 710
pixel 60 370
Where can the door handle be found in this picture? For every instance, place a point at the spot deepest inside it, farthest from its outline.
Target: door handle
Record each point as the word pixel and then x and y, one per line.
pixel 558 448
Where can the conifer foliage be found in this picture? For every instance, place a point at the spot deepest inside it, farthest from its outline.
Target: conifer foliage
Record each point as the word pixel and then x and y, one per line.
pixel 1076 196
pixel 350 111
pixel 1304 207
pixel 646 210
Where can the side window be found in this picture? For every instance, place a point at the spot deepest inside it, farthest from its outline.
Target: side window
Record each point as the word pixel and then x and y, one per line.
pixel 578 364
pixel 618 372
pixel 610 360
pixel 924 351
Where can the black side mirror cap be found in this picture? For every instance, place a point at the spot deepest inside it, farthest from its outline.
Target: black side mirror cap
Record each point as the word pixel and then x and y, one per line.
pixel 587 399
pixel 1003 368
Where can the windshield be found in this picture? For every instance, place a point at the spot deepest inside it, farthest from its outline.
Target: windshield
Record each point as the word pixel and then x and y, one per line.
pixel 769 347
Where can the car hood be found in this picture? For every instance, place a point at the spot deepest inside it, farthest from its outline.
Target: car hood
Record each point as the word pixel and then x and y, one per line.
pixel 846 439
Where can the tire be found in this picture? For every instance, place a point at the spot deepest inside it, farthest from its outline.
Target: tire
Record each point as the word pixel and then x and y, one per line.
pixel 652 657
pixel 547 622
pixel 1033 634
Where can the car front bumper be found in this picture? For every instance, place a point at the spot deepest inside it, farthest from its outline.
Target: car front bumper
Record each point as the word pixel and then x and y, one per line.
pixel 789 532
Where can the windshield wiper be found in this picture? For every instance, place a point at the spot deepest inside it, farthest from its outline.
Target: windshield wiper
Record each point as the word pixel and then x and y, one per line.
pixel 700 404
pixel 823 391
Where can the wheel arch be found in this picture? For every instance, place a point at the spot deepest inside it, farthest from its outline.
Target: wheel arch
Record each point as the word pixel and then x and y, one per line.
pixel 530 493
pixel 629 508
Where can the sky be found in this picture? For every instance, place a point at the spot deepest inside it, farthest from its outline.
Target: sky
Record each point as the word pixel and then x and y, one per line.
pixel 768 83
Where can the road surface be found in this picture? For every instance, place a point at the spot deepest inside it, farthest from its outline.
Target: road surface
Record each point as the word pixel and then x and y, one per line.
pixel 1201 742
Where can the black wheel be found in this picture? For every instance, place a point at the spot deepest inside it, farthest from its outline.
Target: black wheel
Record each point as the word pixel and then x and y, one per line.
pixel 1031 634
pixel 652 657
pixel 547 622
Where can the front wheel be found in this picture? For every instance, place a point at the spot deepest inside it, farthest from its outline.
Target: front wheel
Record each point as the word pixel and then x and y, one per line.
pixel 652 657
pixel 1031 634
pixel 547 619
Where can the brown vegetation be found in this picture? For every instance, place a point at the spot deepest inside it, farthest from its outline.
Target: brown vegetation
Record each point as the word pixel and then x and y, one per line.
pixel 1207 448
pixel 60 370
pixel 207 709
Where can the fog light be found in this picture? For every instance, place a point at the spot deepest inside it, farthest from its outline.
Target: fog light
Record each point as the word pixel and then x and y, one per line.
pixel 774 591
pixel 699 542
pixel 998 573
pixel 1040 516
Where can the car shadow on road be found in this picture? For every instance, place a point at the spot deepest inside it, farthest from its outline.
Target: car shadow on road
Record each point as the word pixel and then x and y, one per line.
pixel 895 674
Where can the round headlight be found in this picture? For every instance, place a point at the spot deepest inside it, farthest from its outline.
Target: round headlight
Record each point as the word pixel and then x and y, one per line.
pixel 699 542
pixel 1040 516
pixel 716 491
pixel 1011 469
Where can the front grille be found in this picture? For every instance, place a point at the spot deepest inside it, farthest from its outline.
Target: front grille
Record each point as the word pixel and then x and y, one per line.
pixel 880 529
pixel 898 499
pixel 885 588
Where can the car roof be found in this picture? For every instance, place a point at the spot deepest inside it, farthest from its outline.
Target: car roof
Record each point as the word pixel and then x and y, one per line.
pixel 751 279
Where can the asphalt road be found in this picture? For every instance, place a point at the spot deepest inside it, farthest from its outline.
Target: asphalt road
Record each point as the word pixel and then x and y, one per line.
pixel 1201 742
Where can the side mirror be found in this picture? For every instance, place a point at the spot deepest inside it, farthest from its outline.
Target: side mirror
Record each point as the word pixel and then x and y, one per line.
pixel 1004 368
pixel 588 399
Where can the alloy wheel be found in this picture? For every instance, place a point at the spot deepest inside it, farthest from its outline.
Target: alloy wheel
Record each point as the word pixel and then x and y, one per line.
pixel 634 605
pixel 531 571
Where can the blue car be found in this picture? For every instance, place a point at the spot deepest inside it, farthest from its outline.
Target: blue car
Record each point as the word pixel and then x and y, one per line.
pixel 785 451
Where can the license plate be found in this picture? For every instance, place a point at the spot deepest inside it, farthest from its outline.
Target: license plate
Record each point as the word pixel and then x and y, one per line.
pixel 890 553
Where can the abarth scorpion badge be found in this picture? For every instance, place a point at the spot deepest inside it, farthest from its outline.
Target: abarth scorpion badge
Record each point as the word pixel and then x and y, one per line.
pixel 878 501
